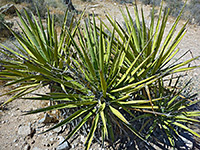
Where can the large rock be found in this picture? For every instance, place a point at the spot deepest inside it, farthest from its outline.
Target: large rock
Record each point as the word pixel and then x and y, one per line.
pixel 8 9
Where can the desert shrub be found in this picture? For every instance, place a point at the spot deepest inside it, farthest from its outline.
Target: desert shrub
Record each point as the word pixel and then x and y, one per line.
pixel 40 5
pixel 151 2
pixel 56 4
pixel 109 85
pixel 21 1
pixel 194 9
pixel 3 22
pixel 191 12
pixel 33 5
pixel 124 1
pixel 86 0
pixel 60 17
pixel 175 6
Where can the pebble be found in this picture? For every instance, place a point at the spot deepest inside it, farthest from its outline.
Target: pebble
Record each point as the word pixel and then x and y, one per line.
pixel 27 147
pixel 37 129
pixel 50 133
pixel 187 142
pixel 64 127
pixel 63 146
pixel 33 142
pixel 47 119
pixel 57 130
pixel 45 135
pixel 73 146
pixel 82 139
pixel 36 148
pixel 24 130
pixel 15 140
pixel 5 121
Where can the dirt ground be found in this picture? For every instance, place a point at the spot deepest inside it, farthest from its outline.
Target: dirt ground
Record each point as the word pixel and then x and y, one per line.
pixel 11 119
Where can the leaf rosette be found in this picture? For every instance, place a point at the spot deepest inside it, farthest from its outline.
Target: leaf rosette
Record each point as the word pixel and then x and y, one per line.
pixel 110 80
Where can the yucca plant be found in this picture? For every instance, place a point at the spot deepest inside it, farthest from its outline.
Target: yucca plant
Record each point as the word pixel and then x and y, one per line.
pixel 152 56
pixel 42 55
pixel 111 84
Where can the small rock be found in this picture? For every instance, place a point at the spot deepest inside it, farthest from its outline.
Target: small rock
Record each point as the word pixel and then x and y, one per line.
pixel 15 140
pixel 47 119
pixel 27 147
pixel 64 127
pixel 93 6
pixel 57 130
pixel 37 129
pixel 24 130
pixel 187 142
pixel 33 142
pixel 63 146
pixel 193 21
pixel 5 121
pixel 36 148
pixel 73 146
pixel 17 108
pixel 29 124
pixel 45 135
pixel 51 139
pixel 82 139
